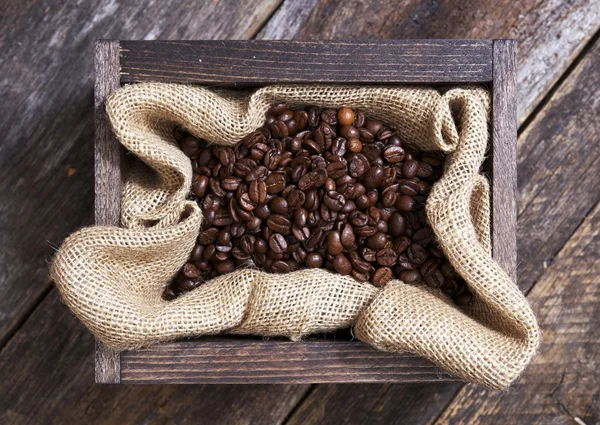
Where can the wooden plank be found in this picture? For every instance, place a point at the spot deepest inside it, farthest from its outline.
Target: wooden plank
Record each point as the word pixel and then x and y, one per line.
pixel 562 385
pixel 503 157
pixel 288 20
pixel 559 169
pixel 46 119
pixel 47 377
pixel 412 404
pixel 262 62
pixel 234 361
pixel 108 176
pixel 550 33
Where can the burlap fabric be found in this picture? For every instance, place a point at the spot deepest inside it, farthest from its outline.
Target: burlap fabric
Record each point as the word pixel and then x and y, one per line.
pixel 112 278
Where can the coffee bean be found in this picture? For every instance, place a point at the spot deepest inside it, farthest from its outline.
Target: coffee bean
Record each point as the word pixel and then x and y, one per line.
pixel 280 224
pixel 410 168
pixel 312 180
pixel 257 192
pixel 397 224
pixel 200 186
pixel 342 265
pixel 382 276
pixel 275 182
pixel 354 145
pixel 417 254
pixel 410 276
pixel 209 236
pixel 405 203
pixel 431 274
pixel 279 205
pixel 387 257
pixel 336 169
pixel 313 260
pixel 359 264
pixel 373 177
pixel 377 241
pixel 333 200
pixel 347 238
pixel 278 243
pixel 345 116
pixel 224 267
pixel 334 244
pixel 315 239
pixel 394 154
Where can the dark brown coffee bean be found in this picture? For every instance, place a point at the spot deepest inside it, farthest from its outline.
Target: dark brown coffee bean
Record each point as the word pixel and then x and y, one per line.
pixel 280 224
pixel 200 186
pixel 359 219
pixel 382 276
pixel 334 244
pixel 359 264
pixel 425 170
pixel 278 243
pixel 208 236
pixel 365 135
pixel 279 205
pixel 401 244
pixel 368 254
pixel 338 146
pixel 275 182
pixel 361 277
pixel 390 195
pixel 231 183
pixel 257 173
pixel 431 274
pixel 224 267
pixel 417 254
pixel 373 177
pixel 387 257
pixel 333 200
pixel 315 239
pixel 246 203
pixel 312 180
pixel 410 276
pixel 300 233
pixel 347 238
pixel 296 199
pixel 410 168
pixel 358 166
pixel 244 166
pixel 366 231
pixel 257 192
pixel 377 241
pixel 190 271
pixel 409 187
pixel 463 299
pixel 336 169
pixel 190 146
pixel 342 265
pixel 393 154
pixel 224 237
pixel 224 247
pixel 313 260
pixel 405 203
pixel 354 145
pixel 281 267
pixel 262 211
pixel 397 224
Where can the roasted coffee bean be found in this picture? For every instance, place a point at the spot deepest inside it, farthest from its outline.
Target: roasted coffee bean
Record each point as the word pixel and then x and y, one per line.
pixel 347 238
pixel 387 257
pixel 338 146
pixel 336 169
pixel 258 173
pixel 359 264
pixel 342 265
pixel 296 199
pixel 200 186
pixel 405 203
pixel 417 254
pixel 361 277
pixel 208 236
pixel 397 224
pixel 410 168
pixel 425 170
pixel 300 233
pixel 464 298
pixel 279 205
pixel 315 239
pixel 431 274
pixel 312 180
pixel 275 183
pixel 330 116
pixel 358 166
pixel 409 187
pixel 410 276
pixel 190 146
pixel 224 267
pixel 382 276
pixel 246 203
pixel 278 243
pixel 280 224
pixel 333 200
pixel 257 192
pixel 345 116
pixel 373 177
pixel 243 166
pixel 394 154
pixel 390 195
pixel 313 260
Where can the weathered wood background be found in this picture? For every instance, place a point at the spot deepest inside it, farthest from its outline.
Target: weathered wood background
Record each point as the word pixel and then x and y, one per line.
pixel 46 192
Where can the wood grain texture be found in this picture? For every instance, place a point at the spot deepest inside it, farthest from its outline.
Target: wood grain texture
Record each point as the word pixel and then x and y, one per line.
pixel 562 385
pixel 288 20
pixel 108 176
pixel 233 361
pixel 240 63
pixel 373 404
pixel 550 34
pixel 559 169
pixel 47 375
pixel 46 119
pixel 503 156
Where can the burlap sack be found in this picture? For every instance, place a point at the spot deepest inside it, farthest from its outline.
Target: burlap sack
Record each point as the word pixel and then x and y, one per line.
pixel 112 278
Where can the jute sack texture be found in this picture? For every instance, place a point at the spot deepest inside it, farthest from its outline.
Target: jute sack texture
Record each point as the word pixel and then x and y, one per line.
pixel 112 277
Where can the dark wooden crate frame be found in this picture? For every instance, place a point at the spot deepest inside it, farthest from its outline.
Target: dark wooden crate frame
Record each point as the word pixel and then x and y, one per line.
pixel 254 63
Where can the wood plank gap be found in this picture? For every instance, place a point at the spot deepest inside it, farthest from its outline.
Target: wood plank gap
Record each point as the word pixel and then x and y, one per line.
pixel 267 20
pixel 559 82
pixel 297 406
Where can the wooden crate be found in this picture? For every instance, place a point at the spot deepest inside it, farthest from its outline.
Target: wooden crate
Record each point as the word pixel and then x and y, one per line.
pixel 238 360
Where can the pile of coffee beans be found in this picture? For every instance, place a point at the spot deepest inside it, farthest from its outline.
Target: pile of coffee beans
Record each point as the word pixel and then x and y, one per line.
pixel 316 188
